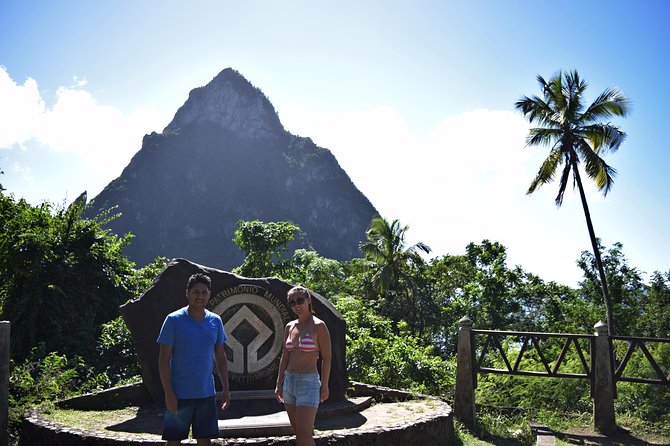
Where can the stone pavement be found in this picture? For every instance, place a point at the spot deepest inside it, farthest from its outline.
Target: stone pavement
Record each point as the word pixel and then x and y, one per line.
pixel 331 415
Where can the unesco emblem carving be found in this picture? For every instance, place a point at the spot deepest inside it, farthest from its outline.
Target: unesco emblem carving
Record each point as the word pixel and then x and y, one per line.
pixel 254 320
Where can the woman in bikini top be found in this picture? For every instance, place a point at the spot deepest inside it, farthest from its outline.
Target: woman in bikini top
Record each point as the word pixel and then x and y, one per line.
pixel 305 344
pixel 299 386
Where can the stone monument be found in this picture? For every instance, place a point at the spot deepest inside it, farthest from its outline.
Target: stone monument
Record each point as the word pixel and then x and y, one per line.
pixel 254 312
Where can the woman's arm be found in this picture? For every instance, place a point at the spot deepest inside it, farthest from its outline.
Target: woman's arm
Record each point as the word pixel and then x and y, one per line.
pixel 325 347
pixel 283 363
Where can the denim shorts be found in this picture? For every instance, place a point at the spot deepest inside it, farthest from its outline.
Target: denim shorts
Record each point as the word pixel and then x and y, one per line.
pixel 199 412
pixel 302 389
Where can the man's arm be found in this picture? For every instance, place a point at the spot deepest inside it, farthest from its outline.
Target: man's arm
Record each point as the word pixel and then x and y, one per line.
pixel 164 355
pixel 222 369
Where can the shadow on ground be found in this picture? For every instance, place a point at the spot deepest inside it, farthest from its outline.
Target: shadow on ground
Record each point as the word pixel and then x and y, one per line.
pixel 349 421
pixel 622 438
pixel 149 420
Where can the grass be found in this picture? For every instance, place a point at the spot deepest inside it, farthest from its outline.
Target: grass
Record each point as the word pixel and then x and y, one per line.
pixel 90 420
pixel 496 429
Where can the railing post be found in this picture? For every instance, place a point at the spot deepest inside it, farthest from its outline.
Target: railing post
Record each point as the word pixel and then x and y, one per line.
pixel 4 382
pixel 603 382
pixel 464 397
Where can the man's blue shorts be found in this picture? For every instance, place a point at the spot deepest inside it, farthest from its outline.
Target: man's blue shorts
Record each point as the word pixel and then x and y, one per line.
pixel 199 412
pixel 302 389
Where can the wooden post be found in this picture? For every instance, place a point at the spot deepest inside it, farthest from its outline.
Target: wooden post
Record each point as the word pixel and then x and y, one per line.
pixel 464 398
pixel 603 382
pixel 4 382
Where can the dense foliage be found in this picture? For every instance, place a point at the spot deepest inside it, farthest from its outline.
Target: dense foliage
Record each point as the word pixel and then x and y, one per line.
pixel 62 277
pixel 402 324
pixel 66 275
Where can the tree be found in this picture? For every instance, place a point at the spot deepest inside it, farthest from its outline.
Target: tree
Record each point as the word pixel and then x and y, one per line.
pixel 264 244
pixel 491 293
pixel 322 275
pixel 385 247
pixel 116 357
pixel 656 317
pixel 62 277
pixel 396 271
pixel 627 291
pixel 447 279
pixel 575 135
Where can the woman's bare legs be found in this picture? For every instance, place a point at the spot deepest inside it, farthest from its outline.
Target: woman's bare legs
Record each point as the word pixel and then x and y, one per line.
pixel 302 421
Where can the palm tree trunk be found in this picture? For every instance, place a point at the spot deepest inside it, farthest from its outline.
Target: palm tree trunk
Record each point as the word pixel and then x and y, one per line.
pixel 596 252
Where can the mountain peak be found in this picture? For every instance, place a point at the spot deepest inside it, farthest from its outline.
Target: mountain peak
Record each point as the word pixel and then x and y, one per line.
pixel 230 101
pixel 224 158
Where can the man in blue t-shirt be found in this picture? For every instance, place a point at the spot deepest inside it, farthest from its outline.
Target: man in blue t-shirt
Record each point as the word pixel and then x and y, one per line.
pixel 190 343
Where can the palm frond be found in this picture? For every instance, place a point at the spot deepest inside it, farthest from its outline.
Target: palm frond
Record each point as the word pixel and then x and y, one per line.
pixel 609 103
pixel 420 246
pixel 547 170
pixel 371 251
pixel 554 94
pixel 563 183
pixel 597 169
pixel 603 137
pixel 536 110
pixel 572 91
pixel 542 136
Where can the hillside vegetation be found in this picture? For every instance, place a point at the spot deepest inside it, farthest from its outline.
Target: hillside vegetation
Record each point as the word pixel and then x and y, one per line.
pixel 63 277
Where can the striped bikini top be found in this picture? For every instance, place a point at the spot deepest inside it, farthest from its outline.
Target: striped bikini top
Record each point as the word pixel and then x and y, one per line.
pixel 306 344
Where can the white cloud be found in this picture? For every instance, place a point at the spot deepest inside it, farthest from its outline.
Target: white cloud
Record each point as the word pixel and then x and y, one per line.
pixel 469 166
pixel 103 137
pixel 463 182
pixel 21 110
pixel 101 134
pixel 18 168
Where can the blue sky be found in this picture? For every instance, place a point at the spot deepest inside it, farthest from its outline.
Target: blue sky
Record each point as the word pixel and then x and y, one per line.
pixel 414 98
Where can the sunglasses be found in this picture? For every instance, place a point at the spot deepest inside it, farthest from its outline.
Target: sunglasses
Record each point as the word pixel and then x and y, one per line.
pixel 299 301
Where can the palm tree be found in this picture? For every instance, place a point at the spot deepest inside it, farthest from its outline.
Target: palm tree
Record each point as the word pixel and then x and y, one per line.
pixel 575 135
pixel 386 248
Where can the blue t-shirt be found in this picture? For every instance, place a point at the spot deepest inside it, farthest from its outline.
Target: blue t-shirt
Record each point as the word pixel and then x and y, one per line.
pixel 192 361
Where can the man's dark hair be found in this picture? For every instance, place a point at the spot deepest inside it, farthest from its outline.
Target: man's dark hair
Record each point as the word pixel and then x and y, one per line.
pixel 199 278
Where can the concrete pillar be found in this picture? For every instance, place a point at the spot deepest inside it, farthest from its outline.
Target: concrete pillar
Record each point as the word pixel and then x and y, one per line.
pixel 603 382
pixel 4 382
pixel 464 397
